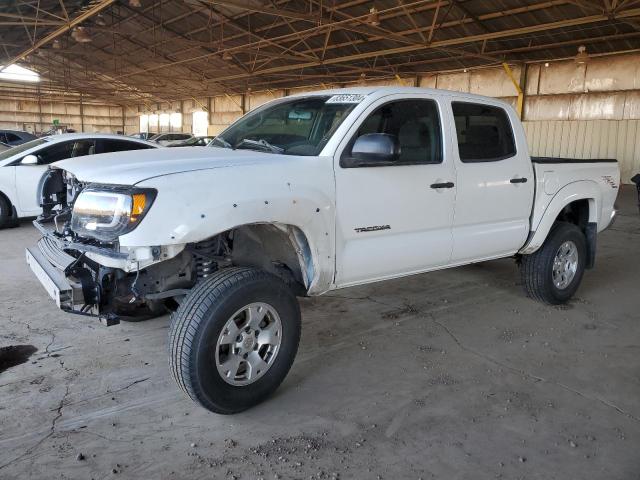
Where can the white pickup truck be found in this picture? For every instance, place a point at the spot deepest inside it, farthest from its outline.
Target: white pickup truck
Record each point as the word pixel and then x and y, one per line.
pixel 301 196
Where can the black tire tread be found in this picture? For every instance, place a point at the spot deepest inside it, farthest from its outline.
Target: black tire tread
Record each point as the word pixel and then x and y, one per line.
pixel 532 268
pixel 186 321
pixel 6 221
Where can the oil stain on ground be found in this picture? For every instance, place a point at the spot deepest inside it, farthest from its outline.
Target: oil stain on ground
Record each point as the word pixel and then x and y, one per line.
pixel 15 355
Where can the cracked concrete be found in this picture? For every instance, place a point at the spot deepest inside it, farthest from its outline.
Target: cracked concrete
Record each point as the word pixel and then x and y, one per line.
pixel 452 374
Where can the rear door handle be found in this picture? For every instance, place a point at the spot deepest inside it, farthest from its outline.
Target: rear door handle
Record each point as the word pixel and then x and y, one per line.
pixel 518 180
pixel 442 185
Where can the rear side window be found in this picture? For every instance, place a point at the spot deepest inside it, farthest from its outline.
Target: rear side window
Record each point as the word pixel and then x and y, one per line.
pixel 484 132
pixel 109 146
pixel 84 147
pixel 12 137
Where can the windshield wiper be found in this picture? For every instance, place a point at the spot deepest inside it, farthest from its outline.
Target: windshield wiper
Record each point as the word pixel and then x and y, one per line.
pixel 262 143
pixel 222 141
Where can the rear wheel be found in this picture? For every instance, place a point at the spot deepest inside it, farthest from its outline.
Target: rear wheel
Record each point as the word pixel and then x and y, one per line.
pixel 234 338
pixel 554 272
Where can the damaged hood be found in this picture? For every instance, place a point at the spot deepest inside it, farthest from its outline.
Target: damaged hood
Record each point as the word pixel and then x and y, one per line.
pixel 132 167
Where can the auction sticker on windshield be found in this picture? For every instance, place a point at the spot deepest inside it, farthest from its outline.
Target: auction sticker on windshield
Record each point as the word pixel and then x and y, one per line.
pixel 346 98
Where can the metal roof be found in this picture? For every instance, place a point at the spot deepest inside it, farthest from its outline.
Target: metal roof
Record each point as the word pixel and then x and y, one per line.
pixel 180 49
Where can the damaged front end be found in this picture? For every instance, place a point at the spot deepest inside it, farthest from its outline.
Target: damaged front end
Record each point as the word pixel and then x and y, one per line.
pixel 93 275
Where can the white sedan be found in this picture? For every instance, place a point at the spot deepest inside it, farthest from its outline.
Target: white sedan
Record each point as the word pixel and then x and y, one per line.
pixel 22 167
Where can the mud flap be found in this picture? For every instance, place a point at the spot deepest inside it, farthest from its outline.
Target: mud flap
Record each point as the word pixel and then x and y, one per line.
pixel 591 232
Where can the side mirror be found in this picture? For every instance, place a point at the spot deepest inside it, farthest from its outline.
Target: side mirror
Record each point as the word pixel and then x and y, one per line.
pixel 29 160
pixel 372 150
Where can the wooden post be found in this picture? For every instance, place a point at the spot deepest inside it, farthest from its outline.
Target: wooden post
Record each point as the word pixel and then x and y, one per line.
pixel 517 85
pixel 40 110
pixel 81 115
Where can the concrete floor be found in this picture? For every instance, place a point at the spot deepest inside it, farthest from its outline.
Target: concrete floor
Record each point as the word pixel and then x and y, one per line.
pixel 452 374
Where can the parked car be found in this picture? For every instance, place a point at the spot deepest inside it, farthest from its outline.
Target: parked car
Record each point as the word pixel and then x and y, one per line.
pixel 22 167
pixel 142 135
pixel 15 137
pixel 167 139
pixel 193 142
pixel 304 195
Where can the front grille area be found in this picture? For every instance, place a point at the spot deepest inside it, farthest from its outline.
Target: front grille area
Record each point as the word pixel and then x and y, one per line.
pixel 54 254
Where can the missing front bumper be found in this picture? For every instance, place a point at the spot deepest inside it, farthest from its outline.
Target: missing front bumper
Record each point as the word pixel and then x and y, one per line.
pixel 68 293
pixel 52 279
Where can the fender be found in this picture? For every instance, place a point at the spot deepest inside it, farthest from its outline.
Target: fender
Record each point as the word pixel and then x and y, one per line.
pixel 194 206
pixel 580 190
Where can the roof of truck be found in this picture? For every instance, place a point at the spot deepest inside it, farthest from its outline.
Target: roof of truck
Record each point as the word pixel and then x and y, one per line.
pixel 380 91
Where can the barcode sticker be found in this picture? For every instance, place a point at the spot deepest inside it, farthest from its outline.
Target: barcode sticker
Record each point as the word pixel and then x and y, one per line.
pixel 346 98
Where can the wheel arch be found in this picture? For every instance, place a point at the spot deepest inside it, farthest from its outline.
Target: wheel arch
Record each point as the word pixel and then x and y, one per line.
pixel 12 206
pixel 279 248
pixel 578 203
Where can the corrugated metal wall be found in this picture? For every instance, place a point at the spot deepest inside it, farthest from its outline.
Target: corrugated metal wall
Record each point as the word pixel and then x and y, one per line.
pixel 619 139
pixel 27 112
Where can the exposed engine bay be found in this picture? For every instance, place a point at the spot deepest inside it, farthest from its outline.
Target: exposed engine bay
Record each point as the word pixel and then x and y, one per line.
pixel 113 292
pixel 111 282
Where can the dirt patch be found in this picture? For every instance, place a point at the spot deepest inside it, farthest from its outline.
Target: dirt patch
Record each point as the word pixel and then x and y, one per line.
pixel 15 355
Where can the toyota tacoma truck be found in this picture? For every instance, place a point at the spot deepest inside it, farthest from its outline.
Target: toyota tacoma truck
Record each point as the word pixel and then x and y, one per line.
pixel 304 195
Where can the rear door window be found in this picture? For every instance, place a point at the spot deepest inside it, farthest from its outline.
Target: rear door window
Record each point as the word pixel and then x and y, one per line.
pixel 83 147
pixel 484 132
pixel 109 146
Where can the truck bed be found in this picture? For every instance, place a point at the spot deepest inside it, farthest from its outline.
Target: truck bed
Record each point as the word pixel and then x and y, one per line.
pixel 559 176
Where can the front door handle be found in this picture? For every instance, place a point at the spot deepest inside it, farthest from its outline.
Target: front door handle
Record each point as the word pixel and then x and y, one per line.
pixel 442 185
pixel 518 180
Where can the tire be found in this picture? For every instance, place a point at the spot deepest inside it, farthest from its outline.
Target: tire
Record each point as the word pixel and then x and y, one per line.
pixel 202 322
pixel 537 269
pixel 6 213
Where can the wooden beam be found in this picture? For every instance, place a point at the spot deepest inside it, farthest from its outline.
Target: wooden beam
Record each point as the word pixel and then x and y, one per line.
pixel 251 7
pixel 516 84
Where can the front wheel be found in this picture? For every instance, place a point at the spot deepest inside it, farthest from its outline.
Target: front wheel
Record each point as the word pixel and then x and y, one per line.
pixel 6 213
pixel 234 338
pixel 553 273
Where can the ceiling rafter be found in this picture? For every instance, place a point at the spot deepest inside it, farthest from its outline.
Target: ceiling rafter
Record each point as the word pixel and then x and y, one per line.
pixel 169 50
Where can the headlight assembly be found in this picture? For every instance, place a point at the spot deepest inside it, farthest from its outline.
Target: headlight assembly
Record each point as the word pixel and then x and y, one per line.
pixel 107 212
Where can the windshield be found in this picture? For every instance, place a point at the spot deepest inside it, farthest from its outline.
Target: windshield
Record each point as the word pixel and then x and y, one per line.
pixel 21 148
pixel 301 126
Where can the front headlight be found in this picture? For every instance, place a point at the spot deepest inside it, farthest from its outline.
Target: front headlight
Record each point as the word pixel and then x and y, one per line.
pixel 107 212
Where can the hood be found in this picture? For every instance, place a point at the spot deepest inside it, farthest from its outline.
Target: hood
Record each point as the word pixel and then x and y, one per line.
pixel 135 166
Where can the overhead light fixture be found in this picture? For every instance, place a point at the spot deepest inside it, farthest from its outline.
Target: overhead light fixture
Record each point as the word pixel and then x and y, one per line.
pixel 227 57
pixel 363 79
pixel 81 35
pixel 373 17
pixel 546 64
pixel 135 3
pixel 56 44
pixel 582 57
